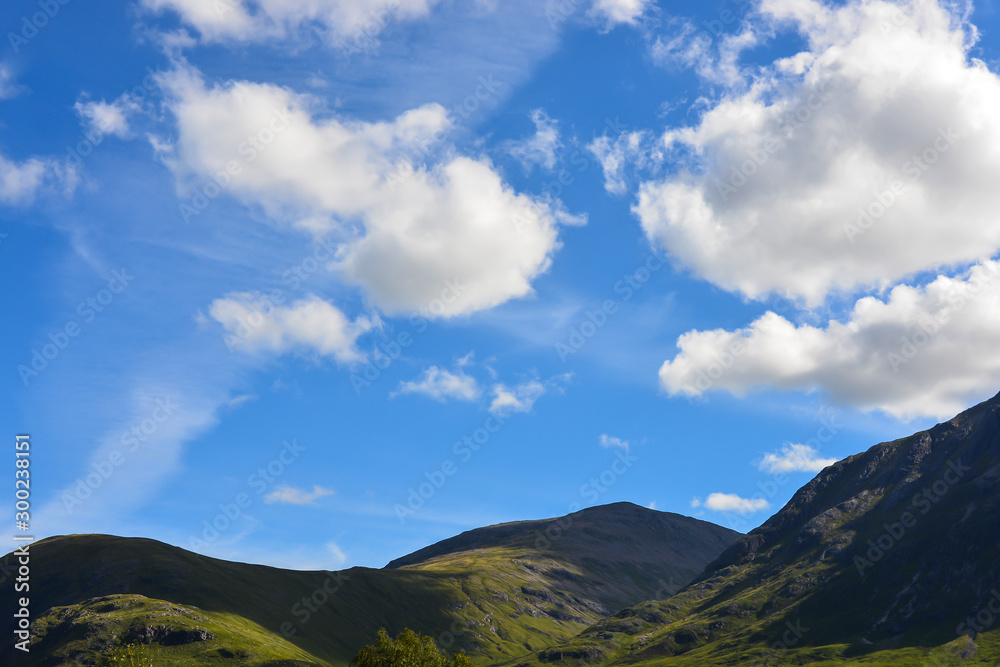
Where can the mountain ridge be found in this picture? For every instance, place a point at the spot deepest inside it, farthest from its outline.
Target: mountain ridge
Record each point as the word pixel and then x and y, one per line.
pixel 494 601
pixel 890 549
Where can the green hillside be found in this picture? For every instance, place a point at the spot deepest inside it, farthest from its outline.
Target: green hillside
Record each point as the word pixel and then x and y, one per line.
pixel 497 593
pixel 880 560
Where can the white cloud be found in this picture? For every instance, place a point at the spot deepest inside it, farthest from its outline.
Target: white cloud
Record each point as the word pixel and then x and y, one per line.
pixel 713 56
pixel 517 399
pixel 794 458
pixel 289 495
pixel 923 351
pixel 104 118
pixel 628 149
pixel 542 147
pixel 425 230
pixel 772 179
pixel 254 324
pixel 611 441
pixel 441 384
pixel 344 23
pixel 20 182
pixel 616 12
pixel 730 502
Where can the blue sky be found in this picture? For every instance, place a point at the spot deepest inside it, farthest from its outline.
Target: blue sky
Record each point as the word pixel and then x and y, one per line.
pixel 318 284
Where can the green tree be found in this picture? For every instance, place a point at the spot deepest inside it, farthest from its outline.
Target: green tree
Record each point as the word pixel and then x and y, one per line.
pixel 407 650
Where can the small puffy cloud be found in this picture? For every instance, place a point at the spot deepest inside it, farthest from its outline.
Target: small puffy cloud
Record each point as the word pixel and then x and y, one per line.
pixel 794 458
pixel 618 12
pixel 289 495
pixel 730 502
pixel 441 384
pixel 613 442
pixel 103 118
pixel 542 147
pixel 925 351
pixel 864 159
pixel 20 182
pixel 520 398
pixel 424 230
pixel 342 23
pixel 254 324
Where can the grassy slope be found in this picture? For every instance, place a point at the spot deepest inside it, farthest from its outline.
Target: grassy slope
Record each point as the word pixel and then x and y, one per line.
pixel 510 598
pixel 86 633
pixel 797 570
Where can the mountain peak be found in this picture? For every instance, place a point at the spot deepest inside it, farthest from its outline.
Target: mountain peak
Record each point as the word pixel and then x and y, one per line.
pixel 589 530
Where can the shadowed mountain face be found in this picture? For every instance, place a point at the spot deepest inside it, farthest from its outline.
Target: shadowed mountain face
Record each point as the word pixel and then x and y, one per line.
pixel 896 548
pixel 497 592
pixel 613 539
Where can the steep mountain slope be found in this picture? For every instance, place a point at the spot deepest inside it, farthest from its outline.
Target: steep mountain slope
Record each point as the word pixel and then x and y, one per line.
pixel 497 593
pixel 622 548
pixel 896 549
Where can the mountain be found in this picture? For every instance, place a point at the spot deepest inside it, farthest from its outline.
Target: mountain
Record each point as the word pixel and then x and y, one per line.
pixel 887 557
pixel 498 592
